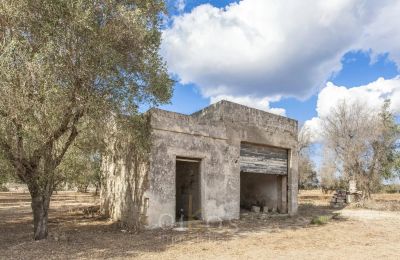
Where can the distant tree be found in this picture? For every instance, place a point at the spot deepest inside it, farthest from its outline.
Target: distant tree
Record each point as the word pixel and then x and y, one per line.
pixel 80 170
pixel 330 180
pixel 304 138
pixel 307 174
pixel 364 143
pixel 65 67
pixel 386 146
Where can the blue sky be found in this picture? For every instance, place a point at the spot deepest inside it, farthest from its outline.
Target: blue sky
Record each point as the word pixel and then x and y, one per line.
pixel 294 58
pixel 357 70
pixel 350 66
pixel 190 4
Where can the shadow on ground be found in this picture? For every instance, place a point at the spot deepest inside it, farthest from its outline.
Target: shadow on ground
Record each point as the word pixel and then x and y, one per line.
pixel 74 235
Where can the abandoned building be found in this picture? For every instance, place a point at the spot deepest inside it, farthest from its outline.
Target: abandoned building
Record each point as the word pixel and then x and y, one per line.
pixel 210 165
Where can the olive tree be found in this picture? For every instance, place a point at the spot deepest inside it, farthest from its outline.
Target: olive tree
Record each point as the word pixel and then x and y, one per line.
pixel 364 142
pixel 65 67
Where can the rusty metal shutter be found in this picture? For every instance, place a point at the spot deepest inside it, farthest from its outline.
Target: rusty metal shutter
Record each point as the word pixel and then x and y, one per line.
pixel 263 159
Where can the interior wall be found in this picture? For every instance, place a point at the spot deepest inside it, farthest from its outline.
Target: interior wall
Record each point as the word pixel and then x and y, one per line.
pixel 260 189
pixel 188 196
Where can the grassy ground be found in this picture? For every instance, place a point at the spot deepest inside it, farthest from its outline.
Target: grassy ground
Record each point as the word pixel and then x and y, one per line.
pixel 356 233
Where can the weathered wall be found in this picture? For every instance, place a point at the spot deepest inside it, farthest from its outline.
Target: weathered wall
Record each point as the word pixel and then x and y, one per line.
pixel 125 166
pixel 176 135
pixel 245 124
pixel 213 135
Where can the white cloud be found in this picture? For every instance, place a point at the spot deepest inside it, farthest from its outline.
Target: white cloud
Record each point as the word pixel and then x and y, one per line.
pixel 372 95
pixel 255 102
pixel 383 33
pixel 314 127
pixel 259 48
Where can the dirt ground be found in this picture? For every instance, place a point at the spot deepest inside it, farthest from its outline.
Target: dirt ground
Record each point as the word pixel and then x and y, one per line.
pixel 356 233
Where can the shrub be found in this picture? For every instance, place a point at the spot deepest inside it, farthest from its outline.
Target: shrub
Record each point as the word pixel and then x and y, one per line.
pixel 320 220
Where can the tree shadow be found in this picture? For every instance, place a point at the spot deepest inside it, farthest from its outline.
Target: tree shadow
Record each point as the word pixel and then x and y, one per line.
pixel 75 235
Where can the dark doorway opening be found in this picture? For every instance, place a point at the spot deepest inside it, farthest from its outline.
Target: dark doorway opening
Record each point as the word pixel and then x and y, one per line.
pixel 188 192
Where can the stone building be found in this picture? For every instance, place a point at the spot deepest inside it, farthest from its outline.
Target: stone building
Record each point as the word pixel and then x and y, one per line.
pixel 211 165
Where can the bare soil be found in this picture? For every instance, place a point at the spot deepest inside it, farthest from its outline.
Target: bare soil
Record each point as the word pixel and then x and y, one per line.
pixel 356 233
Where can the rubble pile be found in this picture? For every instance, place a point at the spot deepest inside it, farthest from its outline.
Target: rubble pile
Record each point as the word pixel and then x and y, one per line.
pixel 342 197
pixel 339 199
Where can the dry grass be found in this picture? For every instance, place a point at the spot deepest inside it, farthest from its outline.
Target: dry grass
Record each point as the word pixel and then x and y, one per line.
pixel 359 234
pixel 315 197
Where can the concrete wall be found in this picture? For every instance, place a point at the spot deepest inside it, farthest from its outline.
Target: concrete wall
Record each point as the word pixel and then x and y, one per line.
pixel 176 135
pixel 258 189
pixel 124 182
pixel 245 124
pixel 214 136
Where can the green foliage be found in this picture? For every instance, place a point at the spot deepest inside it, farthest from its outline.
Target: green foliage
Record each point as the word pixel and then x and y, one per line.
pixel 387 144
pixel 7 173
pixel 81 165
pixel 320 220
pixel 80 170
pixel 67 66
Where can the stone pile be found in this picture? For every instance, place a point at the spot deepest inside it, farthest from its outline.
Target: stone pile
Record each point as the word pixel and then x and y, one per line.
pixel 339 199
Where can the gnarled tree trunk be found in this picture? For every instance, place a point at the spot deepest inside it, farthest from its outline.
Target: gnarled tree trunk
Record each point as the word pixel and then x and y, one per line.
pixel 41 186
pixel 40 208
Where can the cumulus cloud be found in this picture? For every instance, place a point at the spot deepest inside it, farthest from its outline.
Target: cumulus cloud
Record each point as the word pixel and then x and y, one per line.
pixel 372 95
pixel 255 102
pixel 259 48
pixel 383 33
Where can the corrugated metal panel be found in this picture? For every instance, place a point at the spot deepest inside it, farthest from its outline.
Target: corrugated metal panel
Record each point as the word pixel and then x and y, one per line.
pixel 263 159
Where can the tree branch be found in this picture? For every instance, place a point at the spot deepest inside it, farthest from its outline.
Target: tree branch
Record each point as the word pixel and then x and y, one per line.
pixel 60 131
pixel 71 138
pixel 20 140
pixel 20 164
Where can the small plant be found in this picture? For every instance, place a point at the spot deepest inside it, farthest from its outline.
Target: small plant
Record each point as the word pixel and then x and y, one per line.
pixel 320 220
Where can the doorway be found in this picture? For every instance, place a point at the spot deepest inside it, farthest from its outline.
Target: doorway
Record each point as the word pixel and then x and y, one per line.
pixel 267 191
pixel 188 190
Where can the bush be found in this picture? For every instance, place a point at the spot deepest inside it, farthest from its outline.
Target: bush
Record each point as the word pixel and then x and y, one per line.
pixel 392 188
pixel 320 220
